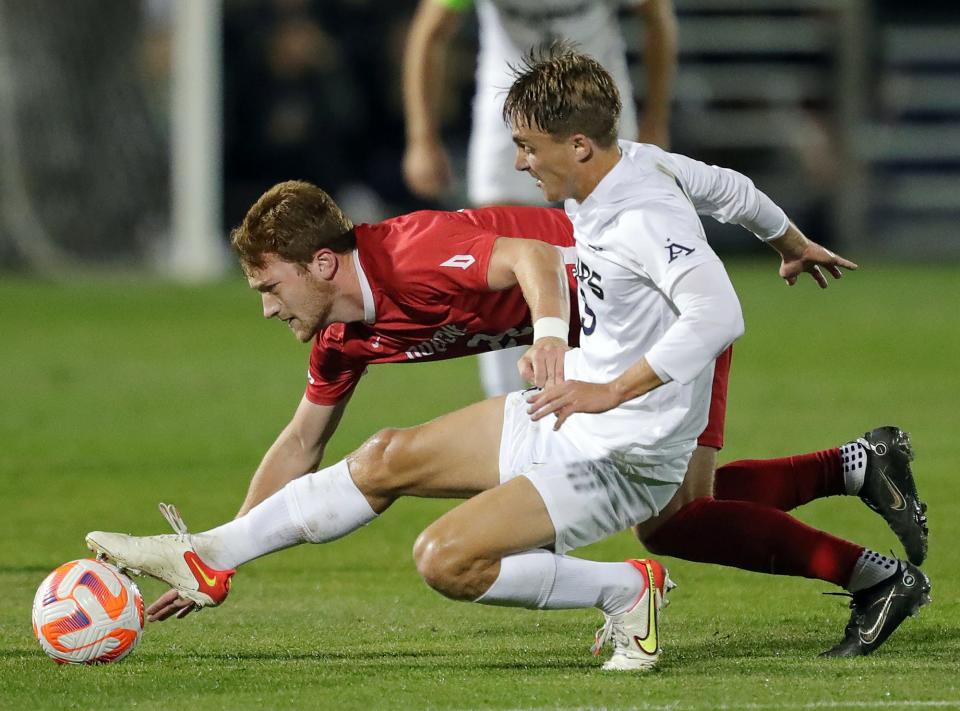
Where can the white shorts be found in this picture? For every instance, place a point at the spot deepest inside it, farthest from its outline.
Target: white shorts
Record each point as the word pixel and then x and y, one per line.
pixel 587 500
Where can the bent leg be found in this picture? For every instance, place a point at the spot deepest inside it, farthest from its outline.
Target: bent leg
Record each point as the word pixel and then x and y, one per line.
pixel 459 554
pixel 453 456
pixel 742 534
pixel 565 504
pixel 489 550
pixel 749 536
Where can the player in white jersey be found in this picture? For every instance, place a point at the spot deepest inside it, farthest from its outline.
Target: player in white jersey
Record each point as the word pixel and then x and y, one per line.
pixel 507 30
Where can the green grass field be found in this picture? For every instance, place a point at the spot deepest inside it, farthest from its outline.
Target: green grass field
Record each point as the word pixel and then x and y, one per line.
pixel 119 394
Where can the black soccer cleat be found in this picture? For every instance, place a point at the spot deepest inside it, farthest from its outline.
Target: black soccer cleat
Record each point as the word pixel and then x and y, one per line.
pixel 889 488
pixel 877 611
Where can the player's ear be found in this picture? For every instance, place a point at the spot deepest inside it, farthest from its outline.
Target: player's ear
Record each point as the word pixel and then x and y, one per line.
pixel 582 147
pixel 325 263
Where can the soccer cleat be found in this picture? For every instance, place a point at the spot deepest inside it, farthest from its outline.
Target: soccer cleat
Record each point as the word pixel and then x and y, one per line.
pixel 170 558
pixel 636 633
pixel 889 489
pixel 877 611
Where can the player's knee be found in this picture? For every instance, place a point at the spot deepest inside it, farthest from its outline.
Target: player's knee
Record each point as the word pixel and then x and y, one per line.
pixel 377 466
pixel 443 565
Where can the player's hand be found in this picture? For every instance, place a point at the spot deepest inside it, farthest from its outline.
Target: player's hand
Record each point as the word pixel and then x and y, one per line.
pixel 542 364
pixel 811 260
pixel 570 396
pixel 426 169
pixel 799 254
pixel 169 604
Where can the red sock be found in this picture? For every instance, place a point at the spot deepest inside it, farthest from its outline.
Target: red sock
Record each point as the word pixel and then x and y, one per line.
pixel 742 534
pixel 783 483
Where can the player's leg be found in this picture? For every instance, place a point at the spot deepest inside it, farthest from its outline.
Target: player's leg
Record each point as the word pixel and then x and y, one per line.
pixel 489 549
pixel 454 455
pixel 751 536
pixel 875 467
pixel 748 529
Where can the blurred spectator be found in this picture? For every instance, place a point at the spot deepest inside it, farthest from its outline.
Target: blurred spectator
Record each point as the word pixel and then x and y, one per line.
pixel 312 92
pixel 291 105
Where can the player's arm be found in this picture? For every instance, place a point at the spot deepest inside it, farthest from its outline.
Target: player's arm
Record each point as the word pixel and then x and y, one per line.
pixel 298 450
pixel 426 167
pixel 538 268
pixel 660 66
pixel 710 320
pixel 729 196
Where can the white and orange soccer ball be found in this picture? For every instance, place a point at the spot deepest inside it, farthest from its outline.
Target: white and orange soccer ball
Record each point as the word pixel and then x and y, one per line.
pixel 87 612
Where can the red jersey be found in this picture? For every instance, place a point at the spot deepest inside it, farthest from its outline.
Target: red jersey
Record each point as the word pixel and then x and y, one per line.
pixel 424 279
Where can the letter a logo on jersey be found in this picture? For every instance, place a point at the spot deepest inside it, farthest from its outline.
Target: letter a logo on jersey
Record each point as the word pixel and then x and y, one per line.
pixel 460 261
pixel 678 250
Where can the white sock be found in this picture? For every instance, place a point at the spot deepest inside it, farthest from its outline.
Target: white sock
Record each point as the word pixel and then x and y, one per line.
pixel 871 568
pixel 540 579
pixel 314 508
pixel 854 459
pixel 327 505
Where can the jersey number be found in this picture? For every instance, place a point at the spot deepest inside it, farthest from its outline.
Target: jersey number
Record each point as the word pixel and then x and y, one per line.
pixel 591 280
pixel 589 321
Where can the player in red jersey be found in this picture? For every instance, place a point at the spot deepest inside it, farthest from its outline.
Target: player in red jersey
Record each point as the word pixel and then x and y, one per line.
pixel 420 282
pixel 423 278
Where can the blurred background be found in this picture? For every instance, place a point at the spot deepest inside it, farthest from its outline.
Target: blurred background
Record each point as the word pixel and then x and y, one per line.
pixel 135 133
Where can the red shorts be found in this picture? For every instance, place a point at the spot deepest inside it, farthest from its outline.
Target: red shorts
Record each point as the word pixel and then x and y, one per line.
pixel 713 435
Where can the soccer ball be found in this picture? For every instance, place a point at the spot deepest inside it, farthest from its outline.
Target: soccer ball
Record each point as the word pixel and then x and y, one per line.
pixel 87 612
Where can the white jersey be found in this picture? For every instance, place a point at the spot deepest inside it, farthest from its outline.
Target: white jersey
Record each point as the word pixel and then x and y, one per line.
pixel 636 235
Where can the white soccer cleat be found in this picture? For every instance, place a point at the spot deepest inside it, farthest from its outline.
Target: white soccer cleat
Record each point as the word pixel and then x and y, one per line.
pixel 170 558
pixel 636 633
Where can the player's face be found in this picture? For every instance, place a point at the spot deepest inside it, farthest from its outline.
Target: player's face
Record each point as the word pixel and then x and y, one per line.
pixel 552 163
pixel 295 295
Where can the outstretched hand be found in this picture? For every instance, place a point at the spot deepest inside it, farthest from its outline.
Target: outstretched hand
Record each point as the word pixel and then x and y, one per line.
pixel 169 604
pixel 799 254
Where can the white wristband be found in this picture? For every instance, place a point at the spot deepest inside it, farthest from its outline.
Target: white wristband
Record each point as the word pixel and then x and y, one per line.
pixel 550 327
